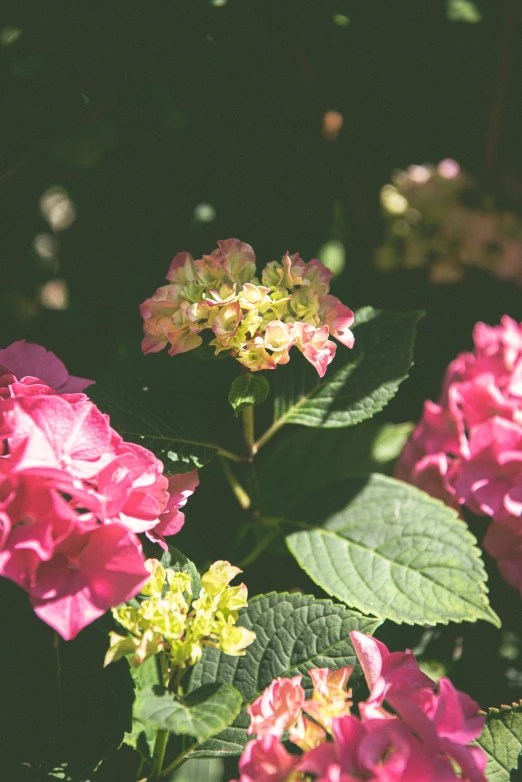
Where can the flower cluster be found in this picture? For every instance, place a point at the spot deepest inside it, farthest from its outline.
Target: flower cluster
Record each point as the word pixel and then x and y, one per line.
pixel 256 321
pixel 467 448
pixel 426 737
pixel 430 222
pixel 169 620
pixel 74 494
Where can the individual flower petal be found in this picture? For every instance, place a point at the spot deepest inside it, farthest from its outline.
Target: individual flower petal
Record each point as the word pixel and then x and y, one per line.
pixel 90 572
pixel 278 708
pixel 338 317
pixel 504 542
pixel 26 359
pixel 266 760
pixel 171 519
pixel 315 346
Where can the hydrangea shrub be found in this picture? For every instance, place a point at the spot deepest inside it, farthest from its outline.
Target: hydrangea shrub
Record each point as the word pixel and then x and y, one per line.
pixel 96 480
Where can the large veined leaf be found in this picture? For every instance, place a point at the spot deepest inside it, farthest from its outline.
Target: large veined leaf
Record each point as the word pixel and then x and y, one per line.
pixel 307 459
pixel 388 549
pixel 359 382
pixel 158 419
pixel 201 714
pixel 501 740
pixel 293 634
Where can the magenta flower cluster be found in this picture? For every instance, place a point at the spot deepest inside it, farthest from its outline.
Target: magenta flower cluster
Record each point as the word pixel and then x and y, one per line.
pixel 74 495
pixel 467 448
pixel 427 737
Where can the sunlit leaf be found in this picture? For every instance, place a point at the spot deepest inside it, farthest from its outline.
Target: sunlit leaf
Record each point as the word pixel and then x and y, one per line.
pixel 201 714
pixel 389 549
pixel 158 419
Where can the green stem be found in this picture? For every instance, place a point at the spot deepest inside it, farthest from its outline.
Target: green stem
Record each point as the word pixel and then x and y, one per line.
pixel 259 548
pixel 160 745
pixel 164 669
pixel 239 493
pixel 178 762
pixel 248 431
pixel 270 432
pixel 229 455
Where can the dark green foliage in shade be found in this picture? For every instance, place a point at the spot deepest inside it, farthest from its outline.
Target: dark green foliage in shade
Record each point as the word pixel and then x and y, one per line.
pixel 155 416
pixel 307 459
pixel 358 383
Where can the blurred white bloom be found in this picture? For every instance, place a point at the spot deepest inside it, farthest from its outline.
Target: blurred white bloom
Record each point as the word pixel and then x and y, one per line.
pixel 57 208
pixel 54 295
pixel 204 213
pixel 45 245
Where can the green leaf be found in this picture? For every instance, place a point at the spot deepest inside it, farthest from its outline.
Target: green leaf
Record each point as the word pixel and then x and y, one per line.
pixel 158 419
pixel 202 713
pixel 200 770
pixel 501 740
pixel 177 561
pixel 293 634
pixel 359 382
pixel 248 390
pixel 389 549
pixel 141 737
pixel 463 11
pixel 308 459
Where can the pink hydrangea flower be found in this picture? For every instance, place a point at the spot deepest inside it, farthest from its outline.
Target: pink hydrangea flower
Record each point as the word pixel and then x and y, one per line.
pixel 374 750
pixel 385 672
pixel 73 495
pixel 266 760
pixel 426 738
pixel 503 541
pixel 315 346
pixel 446 721
pixel 171 519
pixel 28 360
pixel 467 449
pixel 278 708
pixel 489 479
pixel 52 436
pixel 256 323
pixel 330 698
pixel 90 571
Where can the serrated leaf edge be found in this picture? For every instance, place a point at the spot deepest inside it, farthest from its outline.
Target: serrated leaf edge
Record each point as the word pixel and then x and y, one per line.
pixel 482 583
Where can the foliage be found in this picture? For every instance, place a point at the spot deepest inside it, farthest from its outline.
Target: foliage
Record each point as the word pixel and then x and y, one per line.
pixel 369 543
pixel 502 741
pixel 293 634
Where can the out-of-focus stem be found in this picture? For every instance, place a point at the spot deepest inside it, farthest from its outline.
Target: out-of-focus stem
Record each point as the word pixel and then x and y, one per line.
pixel 248 431
pixel 239 492
pixel 160 745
